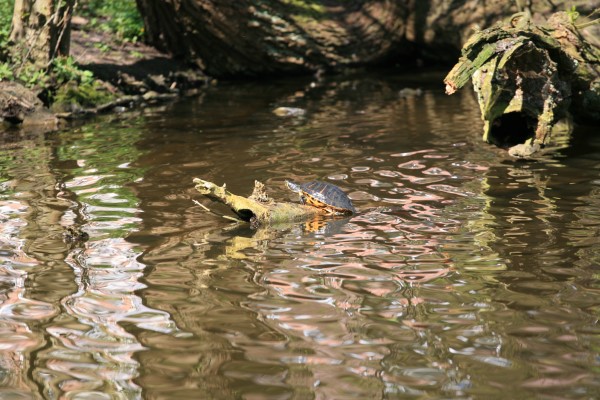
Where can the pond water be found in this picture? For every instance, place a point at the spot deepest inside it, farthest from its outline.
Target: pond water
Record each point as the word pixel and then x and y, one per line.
pixel 465 273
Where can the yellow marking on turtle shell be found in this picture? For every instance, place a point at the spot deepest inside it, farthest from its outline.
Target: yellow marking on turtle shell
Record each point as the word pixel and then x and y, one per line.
pixel 329 209
pixel 313 202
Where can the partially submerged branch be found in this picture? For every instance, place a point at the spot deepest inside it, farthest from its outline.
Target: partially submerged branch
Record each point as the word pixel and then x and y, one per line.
pixel 257 208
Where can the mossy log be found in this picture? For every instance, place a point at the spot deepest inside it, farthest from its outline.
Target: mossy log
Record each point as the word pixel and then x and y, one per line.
pixel 20 106
pixel 257 208
pixel 527 77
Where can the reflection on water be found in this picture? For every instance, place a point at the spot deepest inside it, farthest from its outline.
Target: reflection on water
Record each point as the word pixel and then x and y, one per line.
pixel 465 273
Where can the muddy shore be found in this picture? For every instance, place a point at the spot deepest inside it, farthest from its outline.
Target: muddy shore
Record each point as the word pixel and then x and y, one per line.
pixel 134 74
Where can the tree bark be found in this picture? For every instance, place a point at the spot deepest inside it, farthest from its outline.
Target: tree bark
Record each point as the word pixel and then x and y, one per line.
pixel 262 37
pixel 40 31
pixel 256 37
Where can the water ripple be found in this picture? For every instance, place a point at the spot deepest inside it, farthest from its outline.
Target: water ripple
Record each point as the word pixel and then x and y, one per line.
pixel 463 274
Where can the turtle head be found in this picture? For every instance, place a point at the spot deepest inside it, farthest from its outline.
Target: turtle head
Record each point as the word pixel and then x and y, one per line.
pixel 293 186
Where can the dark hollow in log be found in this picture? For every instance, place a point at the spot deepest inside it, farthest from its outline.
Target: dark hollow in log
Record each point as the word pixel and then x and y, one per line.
pixel 527 77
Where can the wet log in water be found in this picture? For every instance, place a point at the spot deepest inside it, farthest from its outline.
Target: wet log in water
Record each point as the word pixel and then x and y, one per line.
pixel 257 208
pixel 527 78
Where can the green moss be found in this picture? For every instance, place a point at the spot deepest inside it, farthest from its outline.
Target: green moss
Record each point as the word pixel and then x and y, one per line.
pixel 73 96
pixel 308 6
pixel 305 9
pixel 75 88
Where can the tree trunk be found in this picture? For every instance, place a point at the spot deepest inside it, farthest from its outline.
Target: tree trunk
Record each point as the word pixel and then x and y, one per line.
pixel 253 37
pixel 261 37
pixel 40 31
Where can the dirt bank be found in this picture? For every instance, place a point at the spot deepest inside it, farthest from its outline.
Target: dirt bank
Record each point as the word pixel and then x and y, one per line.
pixel 131 74
pixel 132 68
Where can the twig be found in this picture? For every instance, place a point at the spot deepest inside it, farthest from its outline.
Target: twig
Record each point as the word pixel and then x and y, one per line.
pixel 215 213
pixel 63 23
pixel 54 17
pixel 587 24
pixel 121 101
pixel 30 47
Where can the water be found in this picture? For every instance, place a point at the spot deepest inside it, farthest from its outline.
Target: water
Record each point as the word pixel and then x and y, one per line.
pixel 466 274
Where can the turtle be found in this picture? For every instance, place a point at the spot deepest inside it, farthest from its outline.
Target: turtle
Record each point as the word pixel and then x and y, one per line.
pixel 323 195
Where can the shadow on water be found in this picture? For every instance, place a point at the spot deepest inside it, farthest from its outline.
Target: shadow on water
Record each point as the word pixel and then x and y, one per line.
pixel 464 273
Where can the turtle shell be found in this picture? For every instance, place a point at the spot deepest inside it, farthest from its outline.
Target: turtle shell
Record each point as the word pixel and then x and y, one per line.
pixel 323 195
